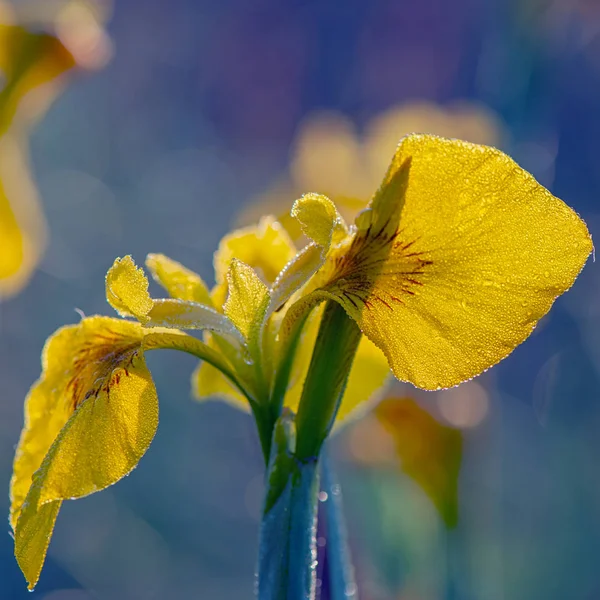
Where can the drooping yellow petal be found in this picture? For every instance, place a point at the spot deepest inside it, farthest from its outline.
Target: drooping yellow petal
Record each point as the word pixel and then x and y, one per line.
pixel 88 421
pixel 127 293
pixel 35 531
pixel 479 255
pixel 247 303
pixel 265 247
pixel 429 453
pixel 180 282
pixel 45 414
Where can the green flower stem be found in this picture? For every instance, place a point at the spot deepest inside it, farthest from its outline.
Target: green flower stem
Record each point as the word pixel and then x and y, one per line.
pixel 265 420
pixel 273 549
pixel 326 380
pixel 287 552
pixel 342 585
pixel 302 576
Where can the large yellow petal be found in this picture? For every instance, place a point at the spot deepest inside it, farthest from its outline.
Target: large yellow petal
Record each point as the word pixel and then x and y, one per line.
pixel 180 282
pixel 46 412
pixel 479 255
pixel 88 421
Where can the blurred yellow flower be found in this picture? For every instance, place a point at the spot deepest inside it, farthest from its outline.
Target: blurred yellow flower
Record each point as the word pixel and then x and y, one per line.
pixel 33 65
pixel 329 155
pixel 403 435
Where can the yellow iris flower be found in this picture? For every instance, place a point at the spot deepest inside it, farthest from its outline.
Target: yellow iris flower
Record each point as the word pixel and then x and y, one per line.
pixel 458 256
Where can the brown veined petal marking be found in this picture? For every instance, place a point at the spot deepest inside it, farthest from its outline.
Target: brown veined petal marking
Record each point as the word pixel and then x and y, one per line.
pixel 88 421
pixel 459 255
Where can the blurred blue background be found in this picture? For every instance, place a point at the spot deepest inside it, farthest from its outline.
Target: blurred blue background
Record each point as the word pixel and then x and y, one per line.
pixel 194 118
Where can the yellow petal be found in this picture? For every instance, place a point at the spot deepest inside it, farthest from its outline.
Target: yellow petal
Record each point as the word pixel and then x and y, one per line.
pixel 35 533
pixel 429 453
pixel 302 357
pixel 266 247
pixel 369 374
pixel 295 275
pixel 319 219
pixel 88 421
pixel 208 382
pixel 247 303
pixel 127 293
pixel 321 223
pixel 180 283
pixel 46 412
pixel 127 289
pixel 479 256
pixel 180 314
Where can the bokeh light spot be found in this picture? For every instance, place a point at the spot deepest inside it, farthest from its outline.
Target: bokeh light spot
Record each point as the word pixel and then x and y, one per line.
pixel 464 406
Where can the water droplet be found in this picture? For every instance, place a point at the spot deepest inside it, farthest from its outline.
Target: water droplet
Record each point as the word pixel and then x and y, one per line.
pixel 350 589
pixel 323 496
